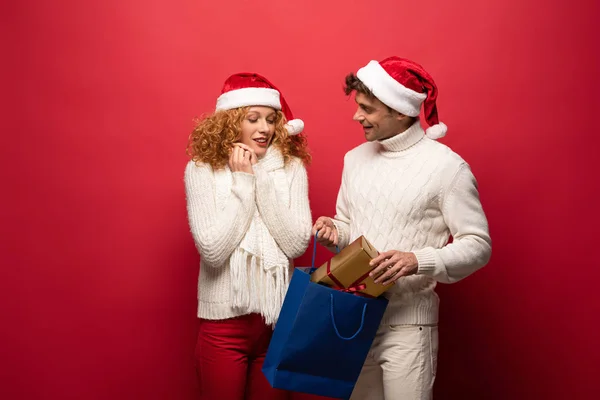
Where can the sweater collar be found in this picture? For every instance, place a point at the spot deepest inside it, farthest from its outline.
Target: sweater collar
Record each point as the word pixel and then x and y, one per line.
pixel 272 160
pixel 404 140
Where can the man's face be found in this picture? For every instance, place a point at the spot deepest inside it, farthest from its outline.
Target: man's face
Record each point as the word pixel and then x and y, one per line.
pixel 377 120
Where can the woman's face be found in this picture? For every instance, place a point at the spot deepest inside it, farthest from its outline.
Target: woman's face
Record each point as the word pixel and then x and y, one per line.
pixel 258 128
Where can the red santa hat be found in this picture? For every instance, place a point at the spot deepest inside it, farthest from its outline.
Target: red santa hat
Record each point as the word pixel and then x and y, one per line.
pixel 404 85
pixel 249 89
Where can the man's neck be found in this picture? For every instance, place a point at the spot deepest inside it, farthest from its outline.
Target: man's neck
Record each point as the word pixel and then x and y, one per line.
pixel 406 123
pixel 404 140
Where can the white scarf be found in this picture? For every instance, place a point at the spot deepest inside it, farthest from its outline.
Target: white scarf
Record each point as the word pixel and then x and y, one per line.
pixel 259 270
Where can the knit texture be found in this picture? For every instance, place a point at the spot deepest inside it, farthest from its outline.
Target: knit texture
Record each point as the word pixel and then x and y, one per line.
pixel 248 228
pixel 410 193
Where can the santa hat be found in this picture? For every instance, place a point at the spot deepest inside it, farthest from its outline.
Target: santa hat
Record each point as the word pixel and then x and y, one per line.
pixel 248 89
pixel 404 85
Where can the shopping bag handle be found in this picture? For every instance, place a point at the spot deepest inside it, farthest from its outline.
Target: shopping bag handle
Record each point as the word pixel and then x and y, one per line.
pixel 362 322
pixel 314 256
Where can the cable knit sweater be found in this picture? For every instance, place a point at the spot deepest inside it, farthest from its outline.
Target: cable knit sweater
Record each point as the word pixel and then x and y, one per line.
pixel 243 225
pixel 410 193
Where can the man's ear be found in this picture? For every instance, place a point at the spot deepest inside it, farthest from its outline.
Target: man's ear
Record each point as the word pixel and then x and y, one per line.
pixel 400 117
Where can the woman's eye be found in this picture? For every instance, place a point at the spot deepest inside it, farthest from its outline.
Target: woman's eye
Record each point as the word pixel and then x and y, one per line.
pixel 271 122
pixel 252 120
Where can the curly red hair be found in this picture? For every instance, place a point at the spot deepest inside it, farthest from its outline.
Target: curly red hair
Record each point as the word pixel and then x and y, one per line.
pixel 214 135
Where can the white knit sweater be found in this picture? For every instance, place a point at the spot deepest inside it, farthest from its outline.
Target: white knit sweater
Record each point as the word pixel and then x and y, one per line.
pixel 410 193
pixel 226 212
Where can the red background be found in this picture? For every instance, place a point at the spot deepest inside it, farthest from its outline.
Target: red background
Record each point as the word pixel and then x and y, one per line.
pixel 98 266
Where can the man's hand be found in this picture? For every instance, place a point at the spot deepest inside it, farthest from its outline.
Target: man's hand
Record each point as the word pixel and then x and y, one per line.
pixel 328 234
pixel 392 265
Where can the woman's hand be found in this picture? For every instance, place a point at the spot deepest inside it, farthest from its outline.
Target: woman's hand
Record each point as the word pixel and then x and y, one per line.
pixel 242 158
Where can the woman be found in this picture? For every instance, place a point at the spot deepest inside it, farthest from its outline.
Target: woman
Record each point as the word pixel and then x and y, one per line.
pixel 247 200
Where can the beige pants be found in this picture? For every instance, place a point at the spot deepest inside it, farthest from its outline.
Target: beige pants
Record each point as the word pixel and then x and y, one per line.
pixel 401 364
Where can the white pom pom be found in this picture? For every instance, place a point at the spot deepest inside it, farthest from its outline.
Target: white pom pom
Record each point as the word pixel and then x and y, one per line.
pixel 294 126
pixel 436 131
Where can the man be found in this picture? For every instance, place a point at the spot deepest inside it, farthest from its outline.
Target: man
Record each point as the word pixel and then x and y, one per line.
pixel 407 194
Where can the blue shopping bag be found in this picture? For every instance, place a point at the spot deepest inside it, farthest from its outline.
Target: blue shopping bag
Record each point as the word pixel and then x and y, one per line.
pixel 321 339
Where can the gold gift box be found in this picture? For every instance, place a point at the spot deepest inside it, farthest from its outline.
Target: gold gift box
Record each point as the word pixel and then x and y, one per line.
pixel 350 267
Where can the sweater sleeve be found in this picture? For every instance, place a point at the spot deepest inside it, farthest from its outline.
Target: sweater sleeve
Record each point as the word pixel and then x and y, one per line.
pixel 217 232
pixel 342 216
pixel 289 226
pixel 471 248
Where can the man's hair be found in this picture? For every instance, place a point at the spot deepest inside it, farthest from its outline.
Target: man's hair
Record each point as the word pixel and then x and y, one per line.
pixel 355 84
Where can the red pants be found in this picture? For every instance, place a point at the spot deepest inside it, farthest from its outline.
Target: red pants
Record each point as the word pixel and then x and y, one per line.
pixel 229 358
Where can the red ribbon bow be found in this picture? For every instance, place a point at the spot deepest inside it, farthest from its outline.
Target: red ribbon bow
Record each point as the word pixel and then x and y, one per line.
pixel 351 289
